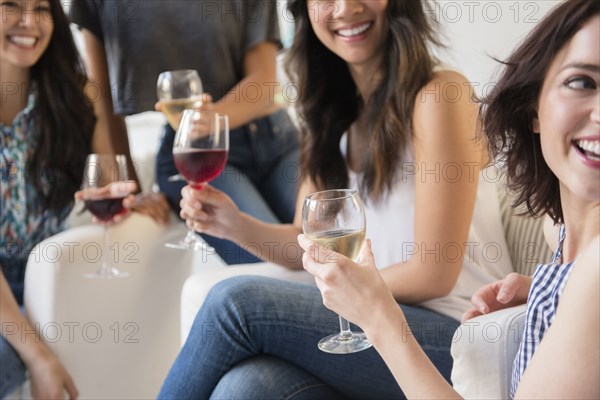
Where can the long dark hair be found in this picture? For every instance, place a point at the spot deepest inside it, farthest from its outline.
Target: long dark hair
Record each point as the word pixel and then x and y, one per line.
pixel 509 110
pixel 63 117
pixel 328 102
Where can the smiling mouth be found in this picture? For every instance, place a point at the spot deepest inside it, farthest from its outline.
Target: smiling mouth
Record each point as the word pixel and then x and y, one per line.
pixel 588 148
pixel 356 31
pixel 23 41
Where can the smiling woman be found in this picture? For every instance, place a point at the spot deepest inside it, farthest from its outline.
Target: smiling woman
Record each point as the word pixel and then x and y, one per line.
pixel 47 127
pixel 27 27
pixel 355 31
pixel 364 71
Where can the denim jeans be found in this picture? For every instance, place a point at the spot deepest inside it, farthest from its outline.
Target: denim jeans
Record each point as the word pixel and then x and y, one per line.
pixel 262 175
pixel 12 370
pixel 256 337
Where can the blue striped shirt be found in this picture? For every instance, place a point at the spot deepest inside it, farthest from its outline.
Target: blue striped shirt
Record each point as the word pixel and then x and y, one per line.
pixel 548 283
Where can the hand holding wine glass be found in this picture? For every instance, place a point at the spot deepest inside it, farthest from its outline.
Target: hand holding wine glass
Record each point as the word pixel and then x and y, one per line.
pixel 200 154
pixel 177 91
pixel 105 192
pixel 335 219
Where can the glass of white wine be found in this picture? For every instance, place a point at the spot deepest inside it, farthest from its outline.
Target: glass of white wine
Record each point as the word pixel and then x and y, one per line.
pixel 177 91
pixel 336 220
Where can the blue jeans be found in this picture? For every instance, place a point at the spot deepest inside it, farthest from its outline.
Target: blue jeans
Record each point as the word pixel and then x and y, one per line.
pixel 12 370
pixel 261 176
pixel 256 337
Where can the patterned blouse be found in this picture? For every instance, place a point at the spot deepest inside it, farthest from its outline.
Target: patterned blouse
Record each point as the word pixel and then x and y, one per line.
pixel 23 222
pixel 548 283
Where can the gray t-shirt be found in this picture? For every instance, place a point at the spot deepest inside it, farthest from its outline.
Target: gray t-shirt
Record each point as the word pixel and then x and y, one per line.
pixel 143 38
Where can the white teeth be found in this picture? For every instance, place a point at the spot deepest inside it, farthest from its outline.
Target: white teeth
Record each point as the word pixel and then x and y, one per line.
pixel 354 31
pixel 27 41
pixel 592 147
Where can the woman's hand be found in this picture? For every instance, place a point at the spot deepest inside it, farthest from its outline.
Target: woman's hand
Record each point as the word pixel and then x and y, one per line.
pixel 113 190
pixel 49 378
pixel 154 205
pixel 508 292
pixel 206 103
pixel 355 291
pixel 210 211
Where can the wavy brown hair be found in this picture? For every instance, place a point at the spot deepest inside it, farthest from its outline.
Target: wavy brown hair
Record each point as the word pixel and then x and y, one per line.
pixel 328 102
pixel 63 117
pixel 508 112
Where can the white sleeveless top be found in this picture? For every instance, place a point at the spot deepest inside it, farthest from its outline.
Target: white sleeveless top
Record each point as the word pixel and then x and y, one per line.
pixel 390 226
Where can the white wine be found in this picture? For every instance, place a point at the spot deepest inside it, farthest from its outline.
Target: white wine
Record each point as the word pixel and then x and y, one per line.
pixel 173 109
pixel 344 241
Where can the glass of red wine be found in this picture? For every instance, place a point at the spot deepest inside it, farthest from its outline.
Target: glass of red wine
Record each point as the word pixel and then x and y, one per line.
pixel 103 197
pixel 200 154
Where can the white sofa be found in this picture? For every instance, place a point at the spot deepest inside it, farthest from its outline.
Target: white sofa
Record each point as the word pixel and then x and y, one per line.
pixel 484 347
pixel 117 337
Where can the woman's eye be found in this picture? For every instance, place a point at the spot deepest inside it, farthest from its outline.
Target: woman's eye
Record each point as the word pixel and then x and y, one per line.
pixel 580 83
pixel 9 4
pixel 42 7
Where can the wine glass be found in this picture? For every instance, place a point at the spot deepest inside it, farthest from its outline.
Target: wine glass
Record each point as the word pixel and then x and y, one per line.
pixel 105 201
pixel 335 219
pixel 177 91
pixel 200 154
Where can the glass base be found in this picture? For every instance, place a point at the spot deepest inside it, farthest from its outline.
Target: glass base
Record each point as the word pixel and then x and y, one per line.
pixel 107 273
pixel 344 344
pixel 191 243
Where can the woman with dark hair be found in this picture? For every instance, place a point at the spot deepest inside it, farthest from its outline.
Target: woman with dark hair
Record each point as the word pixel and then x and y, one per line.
pixel 47 128
pixel 381 116
pixel 543 120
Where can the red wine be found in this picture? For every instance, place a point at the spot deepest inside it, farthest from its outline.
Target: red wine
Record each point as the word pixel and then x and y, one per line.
pixel 105 209
pixel 199 166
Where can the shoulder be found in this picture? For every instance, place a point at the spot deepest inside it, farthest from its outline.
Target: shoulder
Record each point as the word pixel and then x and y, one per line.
pixel 583 285
pixel 445 87
pixel 447 100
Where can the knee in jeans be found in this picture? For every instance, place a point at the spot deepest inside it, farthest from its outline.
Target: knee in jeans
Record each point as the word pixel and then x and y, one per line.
pixel 235 291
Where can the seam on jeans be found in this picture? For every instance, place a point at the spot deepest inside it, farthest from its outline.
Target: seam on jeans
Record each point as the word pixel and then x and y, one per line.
pixel 303 389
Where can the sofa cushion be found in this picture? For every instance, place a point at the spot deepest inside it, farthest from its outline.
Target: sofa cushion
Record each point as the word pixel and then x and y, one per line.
pixel 483 349
pixel 524 235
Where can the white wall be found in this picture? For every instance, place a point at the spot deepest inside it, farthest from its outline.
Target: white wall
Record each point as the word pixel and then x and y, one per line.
pixel 476 31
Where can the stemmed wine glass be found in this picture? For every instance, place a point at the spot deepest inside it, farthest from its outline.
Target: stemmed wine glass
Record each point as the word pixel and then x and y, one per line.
pixel 200 154
pixel 177 91
pixel 104 199
pixel 335 219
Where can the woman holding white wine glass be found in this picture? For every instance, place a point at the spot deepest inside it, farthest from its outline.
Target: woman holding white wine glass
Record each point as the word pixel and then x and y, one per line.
pixel 233 45
pixel 177 91
pixel 336 220
pixel 364 73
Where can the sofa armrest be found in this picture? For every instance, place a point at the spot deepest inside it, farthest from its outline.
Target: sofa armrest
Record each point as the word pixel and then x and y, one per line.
pixel 483 349
pixel 116 337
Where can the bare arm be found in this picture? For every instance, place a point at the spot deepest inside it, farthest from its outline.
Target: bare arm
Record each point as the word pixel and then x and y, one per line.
pixel 108 124
pixel 358 293
pixel 253 96
pixel 110 134
pixel 444 140
pixel 567 364
pixel 49 378
pixel 213 212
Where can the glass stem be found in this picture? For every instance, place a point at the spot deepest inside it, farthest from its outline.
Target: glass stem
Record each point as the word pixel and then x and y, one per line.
pixel 105 266
pixel 191 236
pixel 345 332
